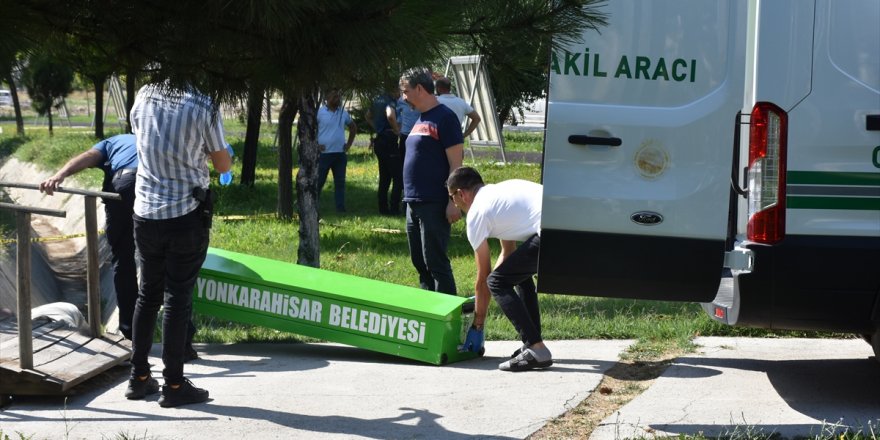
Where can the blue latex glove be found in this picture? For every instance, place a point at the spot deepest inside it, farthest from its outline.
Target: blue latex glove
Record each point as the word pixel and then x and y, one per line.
pixel 226 178
pixel 473 341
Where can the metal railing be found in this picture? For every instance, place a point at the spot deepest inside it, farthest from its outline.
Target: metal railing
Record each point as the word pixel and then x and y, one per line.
pixel 23 263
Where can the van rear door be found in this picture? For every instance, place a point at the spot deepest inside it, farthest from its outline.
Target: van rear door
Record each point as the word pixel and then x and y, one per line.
pixel 638 152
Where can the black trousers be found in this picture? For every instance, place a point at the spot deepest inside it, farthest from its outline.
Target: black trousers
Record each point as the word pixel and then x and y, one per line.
pixel 120 237
pixel 170 253
pixel 513 288
pixel 390 172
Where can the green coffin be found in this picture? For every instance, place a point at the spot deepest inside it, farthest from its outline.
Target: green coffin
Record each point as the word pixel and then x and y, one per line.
pixel 375 315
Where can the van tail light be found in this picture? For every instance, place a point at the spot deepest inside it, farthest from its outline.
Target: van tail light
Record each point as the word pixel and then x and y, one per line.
pixel 768 133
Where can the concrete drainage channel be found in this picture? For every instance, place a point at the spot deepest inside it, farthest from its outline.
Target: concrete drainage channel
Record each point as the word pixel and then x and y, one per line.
pixel 58 255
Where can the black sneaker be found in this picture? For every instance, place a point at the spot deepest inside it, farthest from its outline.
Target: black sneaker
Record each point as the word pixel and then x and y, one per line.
pixel 189 354
pixel 185 394
pixel 138 389
pixel 519 350
pixel 524 361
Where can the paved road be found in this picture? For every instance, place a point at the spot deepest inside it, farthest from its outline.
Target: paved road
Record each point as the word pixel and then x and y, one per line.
pixel 790 387
pixel 329 391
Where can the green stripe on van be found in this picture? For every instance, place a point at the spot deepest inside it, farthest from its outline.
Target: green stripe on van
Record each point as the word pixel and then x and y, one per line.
pixel 832 178
pixel 854 203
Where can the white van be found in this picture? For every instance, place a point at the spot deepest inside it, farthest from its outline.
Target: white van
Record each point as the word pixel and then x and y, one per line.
pixel 724 152
pixel 5 98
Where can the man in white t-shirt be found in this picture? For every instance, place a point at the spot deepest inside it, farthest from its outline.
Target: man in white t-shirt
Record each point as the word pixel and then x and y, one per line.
pixel 458 106
pixel 511 212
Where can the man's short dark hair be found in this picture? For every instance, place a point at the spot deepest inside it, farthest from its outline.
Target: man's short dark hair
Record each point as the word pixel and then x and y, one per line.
pixel 419 76
pixel 443 84
pixel 464 178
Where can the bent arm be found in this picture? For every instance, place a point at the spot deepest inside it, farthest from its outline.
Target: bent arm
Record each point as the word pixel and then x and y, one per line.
pixel 475 122
pixel 455 155
pixel 86 159
pixel 352 131
pixel 221 160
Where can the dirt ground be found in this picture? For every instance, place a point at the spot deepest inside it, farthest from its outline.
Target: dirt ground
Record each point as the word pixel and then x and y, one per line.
pixel 621 384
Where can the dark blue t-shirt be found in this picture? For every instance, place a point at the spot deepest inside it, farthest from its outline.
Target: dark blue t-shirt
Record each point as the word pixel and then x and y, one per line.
pixel 119 152
pixel 425 166
pixel 377 111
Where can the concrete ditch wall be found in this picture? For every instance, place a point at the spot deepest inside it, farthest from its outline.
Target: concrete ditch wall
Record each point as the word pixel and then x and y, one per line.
pixel 58 263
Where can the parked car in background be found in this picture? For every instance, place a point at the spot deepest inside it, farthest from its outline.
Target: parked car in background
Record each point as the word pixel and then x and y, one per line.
pixel 5 98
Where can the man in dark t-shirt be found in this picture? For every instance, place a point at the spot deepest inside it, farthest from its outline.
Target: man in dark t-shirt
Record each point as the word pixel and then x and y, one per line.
pixel 434 148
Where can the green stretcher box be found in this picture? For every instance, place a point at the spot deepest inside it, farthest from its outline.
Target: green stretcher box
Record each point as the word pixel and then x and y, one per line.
pixel 370 314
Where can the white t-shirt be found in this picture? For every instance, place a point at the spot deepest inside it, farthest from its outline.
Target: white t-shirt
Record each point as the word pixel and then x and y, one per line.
pixel 458 106
pixel 508 210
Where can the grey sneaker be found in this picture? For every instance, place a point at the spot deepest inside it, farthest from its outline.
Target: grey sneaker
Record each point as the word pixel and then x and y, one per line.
pixel 138 389
pixel 524 361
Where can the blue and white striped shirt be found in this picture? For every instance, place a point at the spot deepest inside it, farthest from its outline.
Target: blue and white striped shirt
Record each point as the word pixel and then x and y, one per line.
pixel 175 133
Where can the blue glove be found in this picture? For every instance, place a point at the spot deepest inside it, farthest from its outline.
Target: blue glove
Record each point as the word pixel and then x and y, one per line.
pixel 473 341
pixel 226 178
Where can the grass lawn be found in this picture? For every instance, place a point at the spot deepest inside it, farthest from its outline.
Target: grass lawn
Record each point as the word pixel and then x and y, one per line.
pixel 363 243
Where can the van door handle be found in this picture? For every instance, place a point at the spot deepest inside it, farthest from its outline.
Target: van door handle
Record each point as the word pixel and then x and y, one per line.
pixel 872 122
pixel 579 139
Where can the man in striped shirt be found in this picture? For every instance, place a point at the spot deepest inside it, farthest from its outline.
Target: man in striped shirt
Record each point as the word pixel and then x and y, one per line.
pixel 177 132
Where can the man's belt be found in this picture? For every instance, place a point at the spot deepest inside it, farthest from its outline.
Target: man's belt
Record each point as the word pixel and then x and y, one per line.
pixel 124 171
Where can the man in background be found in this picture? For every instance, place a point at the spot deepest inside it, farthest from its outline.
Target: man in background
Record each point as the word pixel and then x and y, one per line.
pixel 434 148
pixel 382 117
pixel 332 120
pixel 459 106
pixel 117 157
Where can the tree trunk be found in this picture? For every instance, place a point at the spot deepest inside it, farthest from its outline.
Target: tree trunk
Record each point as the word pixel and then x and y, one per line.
pixel 309 252
pixel 269 107
pixel 252 135
pixel 130 91
pixel 285 156
pixel 49 113
pixel 504 114
pixel 98 81
pixel 16 104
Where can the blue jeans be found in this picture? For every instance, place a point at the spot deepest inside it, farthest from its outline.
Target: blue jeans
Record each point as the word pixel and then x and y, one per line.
pixel 170 253
pixel 337 163
pixel 428 233
pixel 513 288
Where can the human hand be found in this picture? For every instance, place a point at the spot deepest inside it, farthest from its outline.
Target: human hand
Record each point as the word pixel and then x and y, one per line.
pixel 473 342
pixel 453 214
pixel 49 185
pixel 226 178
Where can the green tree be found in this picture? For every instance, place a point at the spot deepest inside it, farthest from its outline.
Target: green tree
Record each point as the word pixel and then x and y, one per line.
pixel 46 81
pixel 517 62
pixel 301 48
